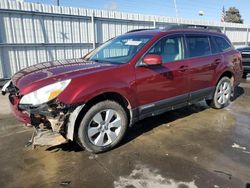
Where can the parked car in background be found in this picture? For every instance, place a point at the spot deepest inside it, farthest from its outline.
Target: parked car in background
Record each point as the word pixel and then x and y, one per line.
pixel 143 73
pixel 245 52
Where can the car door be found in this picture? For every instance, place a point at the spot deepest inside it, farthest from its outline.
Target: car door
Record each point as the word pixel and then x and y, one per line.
pixel 202 65
pixel 160 87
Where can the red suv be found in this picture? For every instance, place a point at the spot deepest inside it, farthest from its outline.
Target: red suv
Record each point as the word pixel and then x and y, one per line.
pixel 143 73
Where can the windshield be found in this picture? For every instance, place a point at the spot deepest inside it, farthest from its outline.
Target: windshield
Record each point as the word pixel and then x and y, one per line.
pixel 118 50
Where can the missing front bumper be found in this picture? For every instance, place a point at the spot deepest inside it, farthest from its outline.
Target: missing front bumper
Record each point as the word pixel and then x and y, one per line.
pixel 49 122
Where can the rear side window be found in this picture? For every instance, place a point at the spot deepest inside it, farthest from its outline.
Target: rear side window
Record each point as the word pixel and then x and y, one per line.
pixel 222 43
pixel 214 48
pixel 198 45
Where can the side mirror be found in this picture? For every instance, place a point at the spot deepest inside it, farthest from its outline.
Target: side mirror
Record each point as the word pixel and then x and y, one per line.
pixel 152 59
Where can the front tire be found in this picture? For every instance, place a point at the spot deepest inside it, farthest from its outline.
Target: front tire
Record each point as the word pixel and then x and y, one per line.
pixel 103 126
pixel 222 94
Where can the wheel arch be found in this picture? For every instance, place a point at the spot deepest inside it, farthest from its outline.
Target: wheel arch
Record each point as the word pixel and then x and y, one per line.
pixel 80 111
pixel 228 74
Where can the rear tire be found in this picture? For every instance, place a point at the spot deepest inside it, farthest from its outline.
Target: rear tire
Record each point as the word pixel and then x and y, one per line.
pixel 244 75
pixel 103 126
pixel 222 94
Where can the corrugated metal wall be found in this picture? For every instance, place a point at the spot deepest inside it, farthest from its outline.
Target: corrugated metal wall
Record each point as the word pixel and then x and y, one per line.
pixel 32 33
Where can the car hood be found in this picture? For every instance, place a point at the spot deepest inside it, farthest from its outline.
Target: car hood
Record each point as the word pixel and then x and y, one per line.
pixel 43 74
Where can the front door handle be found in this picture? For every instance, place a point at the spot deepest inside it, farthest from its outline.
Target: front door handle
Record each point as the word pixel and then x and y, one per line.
pixel 183 68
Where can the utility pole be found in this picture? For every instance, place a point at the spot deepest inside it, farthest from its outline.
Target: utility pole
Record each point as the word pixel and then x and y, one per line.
pixel 58 2
pixel 176 11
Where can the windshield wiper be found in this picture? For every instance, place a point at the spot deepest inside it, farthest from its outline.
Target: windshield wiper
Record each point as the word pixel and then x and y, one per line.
pixel 104 61
pixel 96 60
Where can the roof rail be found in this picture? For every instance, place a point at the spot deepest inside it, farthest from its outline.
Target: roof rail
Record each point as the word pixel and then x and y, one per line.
pixel 135 30
pixel 193 27
pixel 182 26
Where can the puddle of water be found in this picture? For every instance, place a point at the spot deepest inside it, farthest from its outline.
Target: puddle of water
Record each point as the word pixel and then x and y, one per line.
pixel 145 177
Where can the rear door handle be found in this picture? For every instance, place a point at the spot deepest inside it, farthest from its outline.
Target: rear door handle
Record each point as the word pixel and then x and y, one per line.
pixel 183 68
pixel 217 61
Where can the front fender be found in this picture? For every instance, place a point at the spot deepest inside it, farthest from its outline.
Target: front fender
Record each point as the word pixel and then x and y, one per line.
pixel 87 94
pixel 74 115
pixel 82 93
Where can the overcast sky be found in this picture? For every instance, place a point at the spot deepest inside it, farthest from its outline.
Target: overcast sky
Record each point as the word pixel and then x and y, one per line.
pixel 186 8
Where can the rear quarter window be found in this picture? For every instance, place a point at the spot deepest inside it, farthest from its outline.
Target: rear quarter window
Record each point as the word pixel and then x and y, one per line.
pixel 222 44
pixel 198 45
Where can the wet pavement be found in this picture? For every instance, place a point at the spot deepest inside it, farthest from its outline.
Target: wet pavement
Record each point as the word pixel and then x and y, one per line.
pixel 195 146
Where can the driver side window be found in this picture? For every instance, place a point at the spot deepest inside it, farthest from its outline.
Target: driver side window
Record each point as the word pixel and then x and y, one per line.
pixel 170 49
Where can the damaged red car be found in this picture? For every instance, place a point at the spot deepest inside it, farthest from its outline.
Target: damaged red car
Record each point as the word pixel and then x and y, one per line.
pixel 93 100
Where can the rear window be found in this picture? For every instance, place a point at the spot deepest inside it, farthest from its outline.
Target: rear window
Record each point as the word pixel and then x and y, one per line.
pixel 222 43
pixel 198 46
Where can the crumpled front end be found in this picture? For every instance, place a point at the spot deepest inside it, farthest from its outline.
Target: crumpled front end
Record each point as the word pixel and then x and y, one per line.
pixel 22 116
pixel 50 120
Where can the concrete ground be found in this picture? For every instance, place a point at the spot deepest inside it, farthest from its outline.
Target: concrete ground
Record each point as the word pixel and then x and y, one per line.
pixel 191 147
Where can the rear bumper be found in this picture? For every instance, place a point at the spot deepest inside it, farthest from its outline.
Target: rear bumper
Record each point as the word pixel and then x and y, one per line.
pixel 237 77
pixel 22 116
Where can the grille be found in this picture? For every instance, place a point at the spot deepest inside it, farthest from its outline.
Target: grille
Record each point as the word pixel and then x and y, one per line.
pixel 246 58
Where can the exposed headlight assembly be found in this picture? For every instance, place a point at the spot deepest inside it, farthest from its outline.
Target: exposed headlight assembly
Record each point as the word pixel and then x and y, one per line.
pixel 5 87
pixel 44 94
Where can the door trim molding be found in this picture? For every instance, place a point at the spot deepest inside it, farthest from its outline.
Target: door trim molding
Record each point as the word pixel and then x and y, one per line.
pixel 162 106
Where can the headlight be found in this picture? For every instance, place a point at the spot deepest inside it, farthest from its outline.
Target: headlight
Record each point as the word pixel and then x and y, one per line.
pixel 44 94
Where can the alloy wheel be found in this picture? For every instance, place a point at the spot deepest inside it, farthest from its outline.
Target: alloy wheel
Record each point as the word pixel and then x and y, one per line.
pixel 223 93
pixel 104 127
